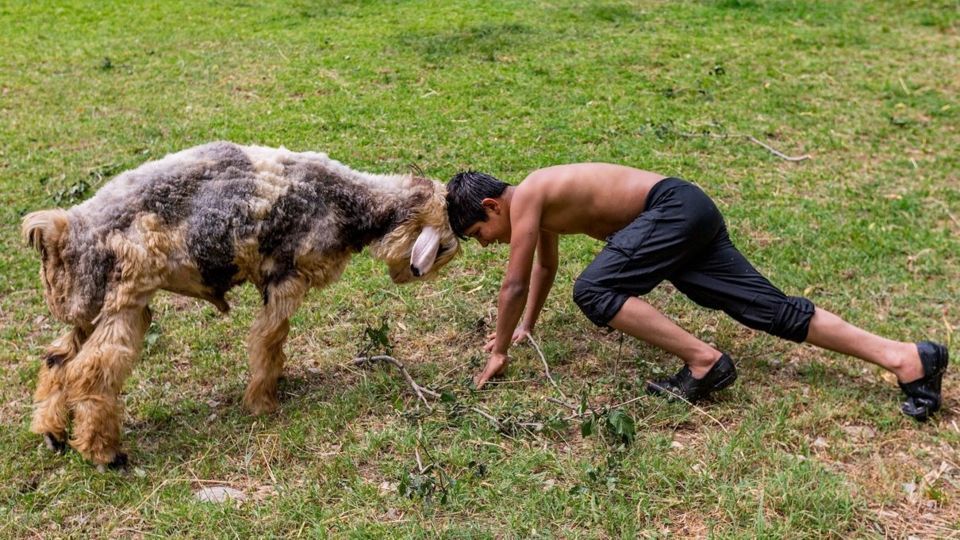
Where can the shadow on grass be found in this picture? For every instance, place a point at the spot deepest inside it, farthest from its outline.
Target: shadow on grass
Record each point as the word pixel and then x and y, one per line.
pixel 482 41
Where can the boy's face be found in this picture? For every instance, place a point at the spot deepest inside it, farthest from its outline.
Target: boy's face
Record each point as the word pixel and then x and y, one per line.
pixel 496 229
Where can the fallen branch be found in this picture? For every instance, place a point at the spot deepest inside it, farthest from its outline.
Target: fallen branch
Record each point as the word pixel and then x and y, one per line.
pixel 577 414
pixel 422 392
pixel 419 390
pixel 546 367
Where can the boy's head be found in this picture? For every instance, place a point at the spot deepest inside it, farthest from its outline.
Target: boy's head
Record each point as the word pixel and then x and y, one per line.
pixel 466 192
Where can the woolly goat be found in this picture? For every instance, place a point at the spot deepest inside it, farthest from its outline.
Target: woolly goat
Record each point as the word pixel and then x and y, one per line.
pixel 198 223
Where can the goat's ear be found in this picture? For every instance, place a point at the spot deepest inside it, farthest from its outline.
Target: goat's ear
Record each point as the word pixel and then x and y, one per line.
pixel 424 251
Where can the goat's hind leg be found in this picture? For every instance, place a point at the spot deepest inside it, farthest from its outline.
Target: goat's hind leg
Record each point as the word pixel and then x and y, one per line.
pixel 93 382
pixel 265 343
pixel 50 415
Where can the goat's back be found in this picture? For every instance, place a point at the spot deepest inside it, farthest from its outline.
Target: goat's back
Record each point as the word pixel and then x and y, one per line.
pixel 229 212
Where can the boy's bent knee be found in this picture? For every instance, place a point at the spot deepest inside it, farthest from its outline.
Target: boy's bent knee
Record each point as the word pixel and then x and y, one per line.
pixel 792 321
pixel 598 303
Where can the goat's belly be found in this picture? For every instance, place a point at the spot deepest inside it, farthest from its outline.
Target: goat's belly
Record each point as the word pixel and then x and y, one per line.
pixel 187 281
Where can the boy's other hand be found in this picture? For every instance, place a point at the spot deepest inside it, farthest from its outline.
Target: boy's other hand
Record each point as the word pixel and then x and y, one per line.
pixel 519 334
pixel 496 365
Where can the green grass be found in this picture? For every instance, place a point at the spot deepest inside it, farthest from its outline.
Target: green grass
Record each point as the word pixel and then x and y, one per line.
pixel 867 228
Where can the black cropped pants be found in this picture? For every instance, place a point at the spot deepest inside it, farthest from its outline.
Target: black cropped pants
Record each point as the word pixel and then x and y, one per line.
pixel 681 237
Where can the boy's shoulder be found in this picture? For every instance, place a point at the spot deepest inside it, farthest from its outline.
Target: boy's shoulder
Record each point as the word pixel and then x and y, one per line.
pixel 531 189
pixel 542 179
pixel 552 172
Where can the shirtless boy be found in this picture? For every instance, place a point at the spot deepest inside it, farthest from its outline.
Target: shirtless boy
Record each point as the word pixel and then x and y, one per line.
pixel 655 229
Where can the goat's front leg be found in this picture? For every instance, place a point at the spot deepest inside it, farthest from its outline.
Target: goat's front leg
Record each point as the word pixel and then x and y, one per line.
pixel 50 416
pixel 93 382
pixel 265 343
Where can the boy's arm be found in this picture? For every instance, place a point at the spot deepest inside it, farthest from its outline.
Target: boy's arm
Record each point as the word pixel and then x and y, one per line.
pixel 541 282
pixel 525 232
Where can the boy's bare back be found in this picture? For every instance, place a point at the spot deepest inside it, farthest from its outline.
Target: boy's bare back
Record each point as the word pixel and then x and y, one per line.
pixel 596 199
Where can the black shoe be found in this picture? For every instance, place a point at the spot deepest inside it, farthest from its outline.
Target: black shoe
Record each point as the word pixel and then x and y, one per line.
pixel 684 385
pixel 923 394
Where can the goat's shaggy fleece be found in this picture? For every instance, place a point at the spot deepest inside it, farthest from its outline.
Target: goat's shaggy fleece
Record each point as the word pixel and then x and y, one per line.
pixel 198 223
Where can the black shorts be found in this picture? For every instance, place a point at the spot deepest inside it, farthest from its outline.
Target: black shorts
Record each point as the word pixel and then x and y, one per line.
pixel 681 237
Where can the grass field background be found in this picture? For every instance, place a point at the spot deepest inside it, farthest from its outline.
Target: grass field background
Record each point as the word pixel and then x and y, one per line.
pixel 805 444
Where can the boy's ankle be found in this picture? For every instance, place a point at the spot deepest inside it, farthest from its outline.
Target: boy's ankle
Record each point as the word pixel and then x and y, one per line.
pixel 701 365
pixel 907 366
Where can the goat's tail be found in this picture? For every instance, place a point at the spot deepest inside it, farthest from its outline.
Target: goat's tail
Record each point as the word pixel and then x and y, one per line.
pixel 47 232
pixel 44 229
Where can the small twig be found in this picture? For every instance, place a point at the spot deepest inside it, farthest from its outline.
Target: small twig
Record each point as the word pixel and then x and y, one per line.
pixel 420 467
pixel 904 86
pixel 419 390
pixel 267 463
pixel 440 471
pixel 493 420
pixel 616 366
pixel 487 443
pixel 681 398
pixel 578 414
pixel 168 481
pixel 151 494
pixel 558 402
pixel 776 152
pixel 546 367
pixel 511 381
pixel 625 403
pixel 947 210
pixel 457 367
pixel 536 426
pixel 948 327
pixel 750 138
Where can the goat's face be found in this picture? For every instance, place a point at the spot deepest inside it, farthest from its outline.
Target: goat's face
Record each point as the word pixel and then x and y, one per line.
pixel 418 247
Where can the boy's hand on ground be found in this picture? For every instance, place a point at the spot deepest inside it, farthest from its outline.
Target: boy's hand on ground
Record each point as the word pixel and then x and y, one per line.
pixel 496 365
pixel 519 334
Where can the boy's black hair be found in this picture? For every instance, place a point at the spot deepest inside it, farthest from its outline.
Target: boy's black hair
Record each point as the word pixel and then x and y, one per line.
pixel 465 193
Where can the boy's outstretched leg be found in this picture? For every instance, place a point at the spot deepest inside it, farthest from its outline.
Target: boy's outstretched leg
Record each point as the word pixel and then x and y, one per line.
pixel 919 367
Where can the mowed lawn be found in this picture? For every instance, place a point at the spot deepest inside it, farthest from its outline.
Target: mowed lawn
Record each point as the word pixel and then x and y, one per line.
pixel 805 444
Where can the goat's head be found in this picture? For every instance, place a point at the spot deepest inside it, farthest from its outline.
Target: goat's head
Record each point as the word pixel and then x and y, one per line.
pixel 423 242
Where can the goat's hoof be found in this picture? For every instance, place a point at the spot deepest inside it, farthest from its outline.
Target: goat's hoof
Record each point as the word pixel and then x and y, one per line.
pixel 262 404
pixel 54 444
pixel 263 408
pixel 119 463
